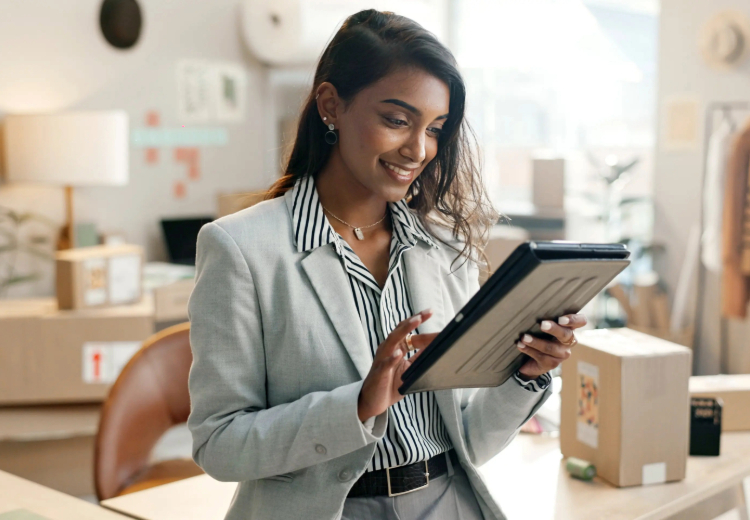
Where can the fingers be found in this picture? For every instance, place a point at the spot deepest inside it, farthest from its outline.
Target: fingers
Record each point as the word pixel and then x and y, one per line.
pixel 548 354
pixel 417 353
pixel 572 321
pixel 409 360
pixel 549 348
pixel 395 358
pixel 395 340
pixel 420 341
pixel 545 361
pixel 564 334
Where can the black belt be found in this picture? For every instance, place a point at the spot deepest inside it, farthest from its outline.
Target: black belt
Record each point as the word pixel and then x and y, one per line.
pixel 402 479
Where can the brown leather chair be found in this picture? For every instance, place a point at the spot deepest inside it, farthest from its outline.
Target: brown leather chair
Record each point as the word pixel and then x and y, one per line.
pixel 150 396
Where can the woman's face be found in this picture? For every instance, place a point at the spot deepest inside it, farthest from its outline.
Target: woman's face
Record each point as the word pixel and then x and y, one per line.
pixel 389 132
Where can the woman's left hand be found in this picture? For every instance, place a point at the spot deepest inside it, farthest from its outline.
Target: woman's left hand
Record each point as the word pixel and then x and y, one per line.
pixel 547 354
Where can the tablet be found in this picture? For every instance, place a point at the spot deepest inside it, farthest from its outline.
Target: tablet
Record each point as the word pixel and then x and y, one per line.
pixel 538 281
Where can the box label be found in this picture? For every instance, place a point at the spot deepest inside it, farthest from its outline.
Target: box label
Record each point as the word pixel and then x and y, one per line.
pixel 124 278
pixel 104 360
pixel 94 281
pixel 654 473
pixel 721 382
pixel 587 421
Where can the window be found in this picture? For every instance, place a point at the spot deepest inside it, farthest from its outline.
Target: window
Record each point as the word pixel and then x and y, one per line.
pixel 569 78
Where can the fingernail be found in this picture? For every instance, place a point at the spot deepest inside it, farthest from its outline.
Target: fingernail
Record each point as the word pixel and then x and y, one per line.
pixel 546 325
pixel 564 320
pixel 521 346
pixel 415 319
pixel 397 353
pixel 426 311
pixel 527 339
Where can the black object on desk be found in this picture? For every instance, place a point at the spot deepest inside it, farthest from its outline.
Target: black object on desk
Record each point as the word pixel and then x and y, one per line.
pixel 538 281
pixel 181 236
pixel 705 426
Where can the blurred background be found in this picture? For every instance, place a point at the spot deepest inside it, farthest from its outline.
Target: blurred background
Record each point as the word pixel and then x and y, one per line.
pixel 128 124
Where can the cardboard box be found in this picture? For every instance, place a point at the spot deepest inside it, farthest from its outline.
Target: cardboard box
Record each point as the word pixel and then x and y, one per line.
pixel 54 356
pixel 170 301
pixel 99 276
pixel 51 445
pixel 625 406
pixel 734 391
pixel 549 183
pixel 503 240
pixel 229 203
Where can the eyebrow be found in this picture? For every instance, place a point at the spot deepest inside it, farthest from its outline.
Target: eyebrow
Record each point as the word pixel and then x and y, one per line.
pixel 410 108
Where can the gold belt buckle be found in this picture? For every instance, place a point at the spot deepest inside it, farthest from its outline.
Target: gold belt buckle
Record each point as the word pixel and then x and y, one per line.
pixel 392 494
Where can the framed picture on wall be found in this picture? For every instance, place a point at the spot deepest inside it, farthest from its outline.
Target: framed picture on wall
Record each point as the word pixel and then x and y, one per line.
pixel 230 92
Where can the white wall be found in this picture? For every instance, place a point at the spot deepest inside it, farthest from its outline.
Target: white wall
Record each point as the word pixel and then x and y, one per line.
pixel 53 57
pixel 677 183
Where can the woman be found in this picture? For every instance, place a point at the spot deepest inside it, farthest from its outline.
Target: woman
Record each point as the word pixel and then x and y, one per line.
pixel 304 304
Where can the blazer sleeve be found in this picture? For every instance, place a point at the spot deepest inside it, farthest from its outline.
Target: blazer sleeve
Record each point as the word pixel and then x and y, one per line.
pixel 236 436
pixel 492 417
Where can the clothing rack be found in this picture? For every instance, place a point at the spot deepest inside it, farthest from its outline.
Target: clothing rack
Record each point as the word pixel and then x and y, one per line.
pixel 726 110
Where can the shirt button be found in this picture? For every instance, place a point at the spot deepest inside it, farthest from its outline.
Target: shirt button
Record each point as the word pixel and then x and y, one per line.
pixel 321 449
pixel 345 475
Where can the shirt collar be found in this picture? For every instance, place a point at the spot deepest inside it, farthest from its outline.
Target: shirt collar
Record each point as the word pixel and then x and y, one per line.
pixel 406 225
pixel 312 229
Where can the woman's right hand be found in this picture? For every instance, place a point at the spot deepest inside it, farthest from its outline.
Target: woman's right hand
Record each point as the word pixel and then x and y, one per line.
pixel 380 388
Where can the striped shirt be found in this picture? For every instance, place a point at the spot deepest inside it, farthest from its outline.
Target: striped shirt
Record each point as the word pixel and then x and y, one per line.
pixel 415 430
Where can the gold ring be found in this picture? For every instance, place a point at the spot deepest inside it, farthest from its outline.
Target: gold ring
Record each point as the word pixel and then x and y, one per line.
pixel 571 343
pixel 408 341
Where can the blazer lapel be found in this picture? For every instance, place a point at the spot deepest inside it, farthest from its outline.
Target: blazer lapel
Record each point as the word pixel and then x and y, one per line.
pixel 323 268
pixel 424 276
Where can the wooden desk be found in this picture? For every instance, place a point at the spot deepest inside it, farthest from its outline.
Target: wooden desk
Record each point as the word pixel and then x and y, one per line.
pixel 17 493
pixel 527 479
pixel 196 498
pixel 530 472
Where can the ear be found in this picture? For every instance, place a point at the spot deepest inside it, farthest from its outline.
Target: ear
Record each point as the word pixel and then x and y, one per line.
pixel 328 102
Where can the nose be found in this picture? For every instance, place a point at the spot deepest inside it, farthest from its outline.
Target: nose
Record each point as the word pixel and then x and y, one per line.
pixel 414 148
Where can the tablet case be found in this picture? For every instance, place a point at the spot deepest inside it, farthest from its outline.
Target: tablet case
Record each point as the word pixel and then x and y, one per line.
pixel 538 281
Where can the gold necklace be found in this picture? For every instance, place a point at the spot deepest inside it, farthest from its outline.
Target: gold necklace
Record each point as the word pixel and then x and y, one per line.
pixel 357 230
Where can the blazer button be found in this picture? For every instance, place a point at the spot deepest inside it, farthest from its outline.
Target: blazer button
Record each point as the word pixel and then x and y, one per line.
pixel 345 475
pixel 321 449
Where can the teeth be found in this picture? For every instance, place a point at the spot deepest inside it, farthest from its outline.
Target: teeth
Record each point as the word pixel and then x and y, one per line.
pixel 397 169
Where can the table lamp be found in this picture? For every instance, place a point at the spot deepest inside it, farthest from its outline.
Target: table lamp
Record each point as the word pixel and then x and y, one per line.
pixel 71 149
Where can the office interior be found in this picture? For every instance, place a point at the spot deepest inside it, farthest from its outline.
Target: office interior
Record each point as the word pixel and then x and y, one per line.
pixel 126 125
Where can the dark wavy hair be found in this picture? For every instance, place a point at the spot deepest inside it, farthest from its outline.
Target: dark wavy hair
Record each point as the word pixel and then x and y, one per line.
pixel 369 45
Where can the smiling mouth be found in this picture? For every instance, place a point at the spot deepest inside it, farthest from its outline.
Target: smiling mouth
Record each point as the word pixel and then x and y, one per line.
pixel 400 173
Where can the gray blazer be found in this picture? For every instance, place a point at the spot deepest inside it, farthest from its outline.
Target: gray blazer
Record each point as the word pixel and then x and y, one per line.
pixel 278 361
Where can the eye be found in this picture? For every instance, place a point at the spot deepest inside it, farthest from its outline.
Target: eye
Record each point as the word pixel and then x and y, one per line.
pixel 397 122
pixel 436 131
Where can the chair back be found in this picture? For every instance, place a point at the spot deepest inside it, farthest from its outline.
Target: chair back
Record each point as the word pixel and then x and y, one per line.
pixel 148 398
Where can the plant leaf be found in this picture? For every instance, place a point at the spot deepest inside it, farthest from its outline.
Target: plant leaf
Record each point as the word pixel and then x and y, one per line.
pixel 39 239
pixel 36 252
pixel 14 280
pixel 38 218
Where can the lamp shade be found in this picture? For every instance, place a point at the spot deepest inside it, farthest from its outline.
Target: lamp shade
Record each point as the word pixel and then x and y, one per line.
pixel 68 148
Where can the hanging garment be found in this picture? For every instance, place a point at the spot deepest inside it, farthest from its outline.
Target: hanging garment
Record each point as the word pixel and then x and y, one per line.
pixel 719 146
pixel 735 288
